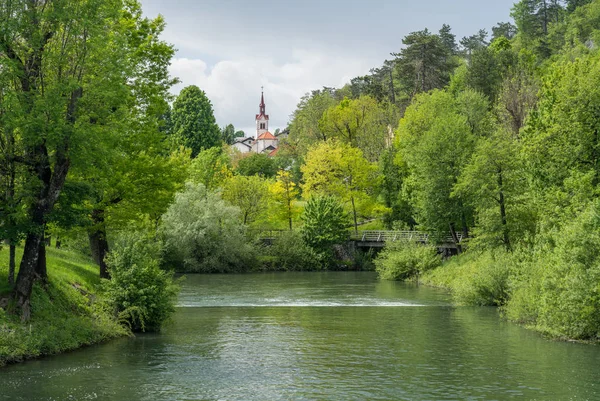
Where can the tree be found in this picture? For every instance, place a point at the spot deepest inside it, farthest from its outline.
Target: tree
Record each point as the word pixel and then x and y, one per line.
pixel 492 181
pixel 424 64
pixel 63 89
pixel 204 235
pixel 362 123
pixel 211 168
pixel 436 139
pixel 475 42
pixel 304 126
pixel 448 39
pixel 504 30
pixel 324 223
pixel 229 134
pixel 284 193
pixel 337 169
pixel 135 174
pixel 249 194
pixel 193 121
pixel 257 164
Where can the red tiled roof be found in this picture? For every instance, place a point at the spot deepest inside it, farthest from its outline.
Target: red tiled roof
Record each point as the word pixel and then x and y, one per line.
pixel 266 137
pixel 273 152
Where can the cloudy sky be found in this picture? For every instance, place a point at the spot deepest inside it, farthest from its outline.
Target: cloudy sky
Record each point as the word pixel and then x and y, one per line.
pixel 230 48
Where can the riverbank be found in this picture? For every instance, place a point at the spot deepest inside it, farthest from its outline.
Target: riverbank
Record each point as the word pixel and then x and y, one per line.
pixel 66 315
pixel 523 286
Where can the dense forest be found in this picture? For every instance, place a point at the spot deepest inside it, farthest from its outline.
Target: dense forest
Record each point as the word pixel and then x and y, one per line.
pixel 494 136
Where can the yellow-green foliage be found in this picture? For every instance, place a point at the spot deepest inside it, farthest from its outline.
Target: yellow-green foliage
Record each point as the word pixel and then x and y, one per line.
pixel 68 314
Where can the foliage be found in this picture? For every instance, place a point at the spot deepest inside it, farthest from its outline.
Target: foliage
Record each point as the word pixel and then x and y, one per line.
pixel 337 169
pixel 291 253
pixel 284 193
pixel 211 168
pixel 67 314
pixel 141 294
pixel 555 287
pixel 304 126
pixel 475 279
pixel 361 123
pixel 250 195
pixel 402 261
pixel 203 234
pixel 193 122
pixel 324 223
pixel 257 164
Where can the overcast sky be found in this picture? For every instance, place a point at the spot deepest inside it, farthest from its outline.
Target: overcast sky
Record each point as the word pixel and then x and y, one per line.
pixel 230 48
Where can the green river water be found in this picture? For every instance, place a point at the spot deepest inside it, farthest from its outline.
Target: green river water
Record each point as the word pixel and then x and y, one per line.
pixel 317 336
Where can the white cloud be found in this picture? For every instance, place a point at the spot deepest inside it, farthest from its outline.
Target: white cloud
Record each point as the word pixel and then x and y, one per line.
pixel 233 86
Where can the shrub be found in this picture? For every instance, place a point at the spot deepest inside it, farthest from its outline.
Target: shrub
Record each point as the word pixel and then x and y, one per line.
pixel 557 288
pixel 204 235
pixel 325 223
pixel 291 253
pixel 401 260
pixel 142 295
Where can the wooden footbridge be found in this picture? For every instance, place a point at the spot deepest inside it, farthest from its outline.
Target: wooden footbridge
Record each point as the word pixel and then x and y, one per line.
pixel 379 239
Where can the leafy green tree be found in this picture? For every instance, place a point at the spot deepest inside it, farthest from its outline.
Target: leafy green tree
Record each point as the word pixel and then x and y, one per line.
pixel 229 134
pixel 284 193
pixel 193 121
pixel 324 223
pixel 64 89
pixel 211 168
pixel 448 39
pixel 337 169
pixel 304 126
pixel 362 123
pixel 141 294
pixel 436 139
pixel 204 235
pixel 492 181
pixel 393 193
pixel 249 194
pixel 257 164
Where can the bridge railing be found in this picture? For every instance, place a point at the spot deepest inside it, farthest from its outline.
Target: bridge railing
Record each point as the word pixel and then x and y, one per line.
pixel 374 236
pixel 407 236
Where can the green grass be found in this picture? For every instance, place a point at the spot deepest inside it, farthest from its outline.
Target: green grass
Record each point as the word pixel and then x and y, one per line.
pixel 68 314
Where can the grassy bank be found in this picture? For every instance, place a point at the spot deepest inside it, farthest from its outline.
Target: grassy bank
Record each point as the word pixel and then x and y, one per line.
pixel 66 315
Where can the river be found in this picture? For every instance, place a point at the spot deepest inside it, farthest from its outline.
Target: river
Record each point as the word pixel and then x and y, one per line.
pixel 316 336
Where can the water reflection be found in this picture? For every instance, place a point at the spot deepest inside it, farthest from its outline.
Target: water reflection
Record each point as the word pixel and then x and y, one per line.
pixel 295 344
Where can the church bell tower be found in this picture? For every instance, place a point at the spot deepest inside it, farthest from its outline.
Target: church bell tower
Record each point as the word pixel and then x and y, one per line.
pixel 262 119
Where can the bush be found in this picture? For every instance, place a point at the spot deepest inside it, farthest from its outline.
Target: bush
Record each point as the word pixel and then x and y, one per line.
pixel 204 235
pixel 141 294
pixel 325 225
pixel 474 278
pixel 557 288
pixel 291 253
pixel 402 261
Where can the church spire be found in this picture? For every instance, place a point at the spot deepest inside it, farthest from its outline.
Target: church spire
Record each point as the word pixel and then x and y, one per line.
pixel 262 107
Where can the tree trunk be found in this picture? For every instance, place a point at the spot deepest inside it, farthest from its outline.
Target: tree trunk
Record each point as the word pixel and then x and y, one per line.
pixel 98 242
pixel 455 238
pixel 41 270
pixel 354 214
pixel 27 276
pixel 502 203
pixel 12 264
pixel 58 243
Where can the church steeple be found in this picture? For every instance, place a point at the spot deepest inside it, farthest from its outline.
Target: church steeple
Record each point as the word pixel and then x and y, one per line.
pixel 261 106
pixel 262 119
